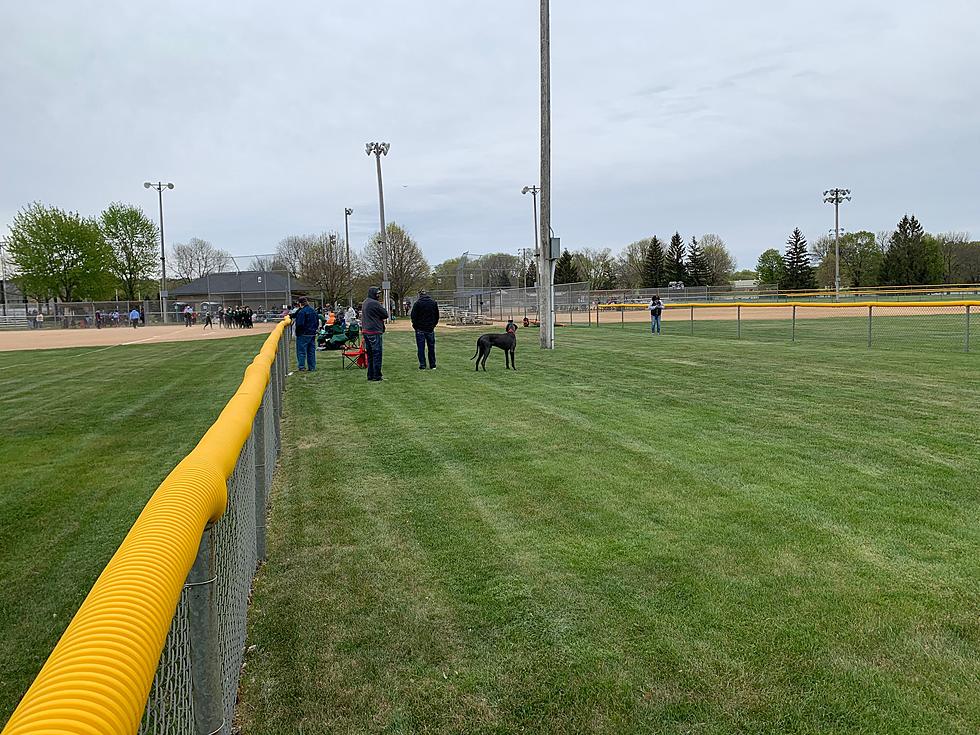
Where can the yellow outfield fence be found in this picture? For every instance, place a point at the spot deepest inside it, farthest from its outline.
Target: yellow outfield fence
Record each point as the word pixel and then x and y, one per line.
pixel 783 304
pixel 158 643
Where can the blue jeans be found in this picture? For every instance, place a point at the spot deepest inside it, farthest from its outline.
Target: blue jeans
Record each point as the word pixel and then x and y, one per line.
pixel 373 345
pixel 655 323
pixel 306 351
pixel 422 341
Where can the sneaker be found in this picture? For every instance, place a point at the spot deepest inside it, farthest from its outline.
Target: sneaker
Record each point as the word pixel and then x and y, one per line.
pixel 421 367
pixel 432 368
pixel 302 370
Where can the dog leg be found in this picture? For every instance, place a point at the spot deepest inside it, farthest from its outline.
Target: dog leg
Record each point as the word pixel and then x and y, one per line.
pixel 513 363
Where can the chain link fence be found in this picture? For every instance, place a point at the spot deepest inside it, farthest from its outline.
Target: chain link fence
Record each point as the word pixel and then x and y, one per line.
pixel 196 685
pixel 930 326
pixel 95 678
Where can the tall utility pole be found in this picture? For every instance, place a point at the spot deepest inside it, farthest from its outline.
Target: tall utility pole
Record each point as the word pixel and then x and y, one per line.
pixel 381 149
pixel 160 186
pixel 546 292
pixel 3 275
pixel 837 197
pixel 350 275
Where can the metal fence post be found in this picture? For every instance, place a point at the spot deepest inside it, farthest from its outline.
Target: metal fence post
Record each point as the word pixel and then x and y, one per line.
pixel 622 316
pixel 261 486
pixel 202 632
pixel 692 319
pixel 738 319
pixel 967 345
pixel 794 323
pixel 870 307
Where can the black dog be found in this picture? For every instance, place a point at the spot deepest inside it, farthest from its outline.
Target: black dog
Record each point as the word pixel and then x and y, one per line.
pixel 507 342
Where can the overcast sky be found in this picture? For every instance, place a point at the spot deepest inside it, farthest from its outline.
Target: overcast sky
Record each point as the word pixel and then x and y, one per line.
pixel 702 116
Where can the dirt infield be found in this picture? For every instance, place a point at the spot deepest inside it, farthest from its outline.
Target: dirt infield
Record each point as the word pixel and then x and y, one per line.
pixel 44 339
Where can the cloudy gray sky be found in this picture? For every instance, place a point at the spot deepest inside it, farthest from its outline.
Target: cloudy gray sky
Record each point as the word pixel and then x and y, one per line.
pixel 702 116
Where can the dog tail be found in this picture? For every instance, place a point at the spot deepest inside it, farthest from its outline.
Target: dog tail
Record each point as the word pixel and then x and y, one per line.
pixel 476 353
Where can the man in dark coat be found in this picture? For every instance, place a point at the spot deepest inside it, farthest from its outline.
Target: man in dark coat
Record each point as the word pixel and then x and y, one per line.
pixel 373 316
pixel 306 323
pixel 425 316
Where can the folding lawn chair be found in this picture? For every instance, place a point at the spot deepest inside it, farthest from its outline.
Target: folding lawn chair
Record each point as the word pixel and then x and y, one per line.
pixel 354 354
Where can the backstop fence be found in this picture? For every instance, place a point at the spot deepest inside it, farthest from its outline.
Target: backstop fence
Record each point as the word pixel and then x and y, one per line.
pixel 928 325
pixel 157 646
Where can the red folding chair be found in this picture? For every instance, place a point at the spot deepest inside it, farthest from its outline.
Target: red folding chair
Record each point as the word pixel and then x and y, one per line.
pixel 354 355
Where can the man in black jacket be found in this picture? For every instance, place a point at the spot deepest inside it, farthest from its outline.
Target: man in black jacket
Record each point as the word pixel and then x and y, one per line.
pixel 373 316
pixel 425 316
pixel 306 325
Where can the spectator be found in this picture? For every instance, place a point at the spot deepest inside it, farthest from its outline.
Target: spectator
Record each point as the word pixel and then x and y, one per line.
pixel 373 316
pixel 656 310
pixel 351 315
pixel 134 317
pixel 142 317
pixel 307 324
pixel 425 316
pixel 39 319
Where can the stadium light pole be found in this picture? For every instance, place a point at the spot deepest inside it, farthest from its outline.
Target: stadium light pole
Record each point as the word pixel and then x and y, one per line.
pixel 350 276
pixel 160 186
pixel 546 294
pixel 837 197
pixel 3 275
pixel 381 149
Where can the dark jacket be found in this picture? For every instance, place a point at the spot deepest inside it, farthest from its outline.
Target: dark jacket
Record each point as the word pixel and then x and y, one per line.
pixel 306 321
pixel 373 314
pixel 425 314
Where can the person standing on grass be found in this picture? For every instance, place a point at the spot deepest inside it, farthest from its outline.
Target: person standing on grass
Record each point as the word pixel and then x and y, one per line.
pixel 656 310
pixel 425 316
pixel 373 316
pixel 351 315
pixel 307 323
pixel 134 317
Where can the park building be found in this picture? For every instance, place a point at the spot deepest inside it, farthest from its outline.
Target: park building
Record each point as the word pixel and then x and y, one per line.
pixel 263 291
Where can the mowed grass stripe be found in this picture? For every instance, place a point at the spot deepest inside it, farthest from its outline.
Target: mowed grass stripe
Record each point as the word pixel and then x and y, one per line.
pixel 719 537
pixel 87 438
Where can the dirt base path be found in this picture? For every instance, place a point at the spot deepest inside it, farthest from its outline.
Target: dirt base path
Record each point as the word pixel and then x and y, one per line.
pixel 44 339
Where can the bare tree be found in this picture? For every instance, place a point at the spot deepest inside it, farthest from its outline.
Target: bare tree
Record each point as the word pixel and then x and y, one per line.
pixel 950 244
pixel 198 258
pixel 630 264
pixel 323 263
pixel 598 267
pixel 407 267
pixel 721 263
pixel 290 252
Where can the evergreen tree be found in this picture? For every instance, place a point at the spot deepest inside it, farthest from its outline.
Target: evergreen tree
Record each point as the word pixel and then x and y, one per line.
pixel 913 257
pixel 796 262
pixel 697 265
pixel 674 260
pixel 565 270
pixel 654 275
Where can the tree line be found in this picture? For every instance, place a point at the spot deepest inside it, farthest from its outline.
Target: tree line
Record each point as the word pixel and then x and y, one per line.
pixel 63 255
pixel 905 256
pixel 647 263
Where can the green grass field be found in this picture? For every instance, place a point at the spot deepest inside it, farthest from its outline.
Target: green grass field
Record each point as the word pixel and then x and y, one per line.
pixel 674 535
pixel 88 434
pixel 631 534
